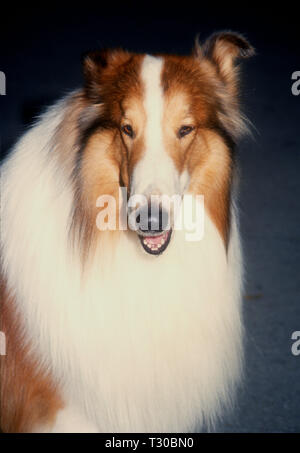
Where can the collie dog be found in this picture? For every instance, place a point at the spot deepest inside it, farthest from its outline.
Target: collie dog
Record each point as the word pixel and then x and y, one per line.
pixel 125 329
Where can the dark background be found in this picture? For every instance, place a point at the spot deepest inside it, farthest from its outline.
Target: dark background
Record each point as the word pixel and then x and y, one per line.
pixel 40 54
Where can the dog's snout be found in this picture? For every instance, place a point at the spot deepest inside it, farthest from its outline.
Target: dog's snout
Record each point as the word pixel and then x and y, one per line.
pixel 152 220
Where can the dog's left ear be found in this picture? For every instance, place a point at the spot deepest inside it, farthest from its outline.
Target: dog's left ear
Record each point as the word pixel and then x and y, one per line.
pixel 224 49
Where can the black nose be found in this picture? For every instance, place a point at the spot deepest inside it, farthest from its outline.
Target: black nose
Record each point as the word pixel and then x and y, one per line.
pixel 152 219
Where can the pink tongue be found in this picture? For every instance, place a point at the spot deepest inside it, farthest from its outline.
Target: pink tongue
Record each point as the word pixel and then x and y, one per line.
pixel 155 240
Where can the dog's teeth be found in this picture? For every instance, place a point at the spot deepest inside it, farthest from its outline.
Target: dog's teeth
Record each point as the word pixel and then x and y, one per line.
pixel 153 247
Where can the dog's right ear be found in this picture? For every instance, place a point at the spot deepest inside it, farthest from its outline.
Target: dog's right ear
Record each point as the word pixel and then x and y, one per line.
pixel 98 65
pixel 93 62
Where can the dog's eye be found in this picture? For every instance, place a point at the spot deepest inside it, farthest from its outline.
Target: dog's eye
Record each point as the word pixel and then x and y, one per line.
pixel 185 130
pixel 127 129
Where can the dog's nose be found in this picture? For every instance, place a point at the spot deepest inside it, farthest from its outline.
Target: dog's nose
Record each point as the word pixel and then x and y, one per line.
pixel 152 220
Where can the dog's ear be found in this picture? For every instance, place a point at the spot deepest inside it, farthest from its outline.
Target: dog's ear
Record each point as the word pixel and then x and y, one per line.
pixel 224 49
pixel 99 64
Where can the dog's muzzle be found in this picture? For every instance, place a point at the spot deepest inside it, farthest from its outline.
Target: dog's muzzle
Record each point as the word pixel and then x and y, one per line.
pixel 154 229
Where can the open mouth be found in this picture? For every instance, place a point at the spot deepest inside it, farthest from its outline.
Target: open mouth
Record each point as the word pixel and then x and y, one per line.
pixel 156 245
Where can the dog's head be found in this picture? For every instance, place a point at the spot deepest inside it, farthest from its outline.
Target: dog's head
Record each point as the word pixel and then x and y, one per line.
pixel 161 126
